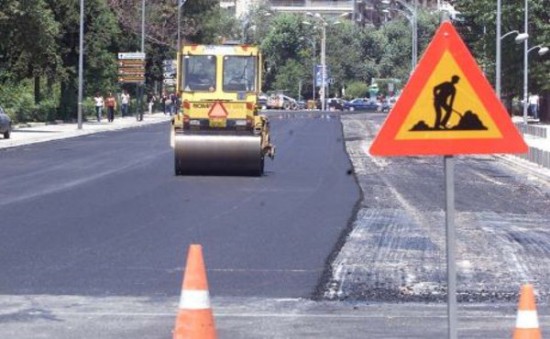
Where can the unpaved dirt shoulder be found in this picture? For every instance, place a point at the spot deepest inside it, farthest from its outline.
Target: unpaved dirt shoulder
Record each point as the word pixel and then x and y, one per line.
pixel 396 250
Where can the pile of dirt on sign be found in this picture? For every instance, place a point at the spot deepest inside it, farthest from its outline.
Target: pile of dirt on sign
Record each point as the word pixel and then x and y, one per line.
pixel 421 126
pixel 469 121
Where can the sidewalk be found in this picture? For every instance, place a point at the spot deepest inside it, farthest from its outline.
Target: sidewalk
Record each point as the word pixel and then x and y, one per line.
pixel 39 132
pixel 537 137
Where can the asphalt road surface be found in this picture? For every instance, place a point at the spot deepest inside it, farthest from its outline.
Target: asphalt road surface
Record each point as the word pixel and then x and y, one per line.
pixel 105 215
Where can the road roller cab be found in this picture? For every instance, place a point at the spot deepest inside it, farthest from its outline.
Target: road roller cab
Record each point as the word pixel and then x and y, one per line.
pixel 218 130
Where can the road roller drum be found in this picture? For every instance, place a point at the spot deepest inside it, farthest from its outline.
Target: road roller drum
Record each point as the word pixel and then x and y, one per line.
pixel 218 154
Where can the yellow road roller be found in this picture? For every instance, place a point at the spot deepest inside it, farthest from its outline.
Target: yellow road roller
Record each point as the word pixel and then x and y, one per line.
pixel 218 129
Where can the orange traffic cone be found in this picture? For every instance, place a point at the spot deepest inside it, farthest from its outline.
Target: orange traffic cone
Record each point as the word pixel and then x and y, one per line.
pixel 195 319
pixel 527 322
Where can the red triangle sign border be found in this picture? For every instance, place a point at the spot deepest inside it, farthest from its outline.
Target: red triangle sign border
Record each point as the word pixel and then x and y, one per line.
pixel 447 39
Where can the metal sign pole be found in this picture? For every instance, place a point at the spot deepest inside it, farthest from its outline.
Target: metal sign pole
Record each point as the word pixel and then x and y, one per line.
pixel 451 242
pixel 137 101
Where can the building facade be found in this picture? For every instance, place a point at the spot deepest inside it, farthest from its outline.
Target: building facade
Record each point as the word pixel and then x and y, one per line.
pixel 362 11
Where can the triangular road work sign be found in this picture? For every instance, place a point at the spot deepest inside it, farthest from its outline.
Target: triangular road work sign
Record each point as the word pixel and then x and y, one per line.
pixel 217 111
pixel 447 108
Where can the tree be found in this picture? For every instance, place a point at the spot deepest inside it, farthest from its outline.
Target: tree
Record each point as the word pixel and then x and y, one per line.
pixel 281 45
pixel 479 31
pixel 349 55
pixel 288 78
pixel 101 34
pixel 28 44
pixel 202 22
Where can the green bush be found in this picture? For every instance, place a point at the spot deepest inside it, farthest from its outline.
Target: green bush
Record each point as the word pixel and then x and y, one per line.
pixel 88 109
pixel 18 101
pixel 356 89
pixel 46 110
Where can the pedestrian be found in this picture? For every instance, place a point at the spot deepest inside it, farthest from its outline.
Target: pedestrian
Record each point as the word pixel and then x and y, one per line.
pixel 124 102
pixel 174 100
pixel 534 105
pixel 98 102
pixel 110 102
pixel 164 99
pixel 151 98
pixel 444 96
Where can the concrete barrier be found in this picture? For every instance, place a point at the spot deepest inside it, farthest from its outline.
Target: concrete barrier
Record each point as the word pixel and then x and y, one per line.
pixel 540 131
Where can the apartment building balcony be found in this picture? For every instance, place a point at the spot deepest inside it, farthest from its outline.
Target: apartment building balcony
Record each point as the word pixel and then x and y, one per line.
pixel 317 6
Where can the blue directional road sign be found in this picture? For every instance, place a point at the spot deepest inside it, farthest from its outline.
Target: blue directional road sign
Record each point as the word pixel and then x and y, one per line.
pixel 318 75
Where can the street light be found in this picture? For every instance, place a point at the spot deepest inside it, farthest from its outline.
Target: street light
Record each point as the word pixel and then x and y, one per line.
pixel 324 25
pixel 141 87
pixel 323 58
pixel 413 19
pixel 526 50
pixel 180 5
pixel 80 64
pixel 542 50
pixel 247 20
pixel 521 37
pixel 313 45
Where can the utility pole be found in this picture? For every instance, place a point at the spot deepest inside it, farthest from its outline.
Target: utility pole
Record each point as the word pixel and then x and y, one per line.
pixel 141 88
pixel 323 65
pixel 80 64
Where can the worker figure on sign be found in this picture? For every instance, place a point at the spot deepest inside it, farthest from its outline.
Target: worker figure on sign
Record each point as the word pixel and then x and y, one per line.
pixel 444 97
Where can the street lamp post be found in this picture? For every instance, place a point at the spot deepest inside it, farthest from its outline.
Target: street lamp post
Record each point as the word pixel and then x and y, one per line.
pixel 312 41
pixel 142 26
pixel 141 87
pixel 415 33
pixel 80 64
pixel 542 51
pixel 521 37
pixel 497 56
pixel 324 24
pixel 323 65
pixel 179 29
pixel 249 23
pixel 525 62
pixel 180 5
pixel 313 47
pixel 412 16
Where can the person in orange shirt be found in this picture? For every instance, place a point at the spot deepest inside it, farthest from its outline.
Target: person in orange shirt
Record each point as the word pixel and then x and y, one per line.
pixel 110 102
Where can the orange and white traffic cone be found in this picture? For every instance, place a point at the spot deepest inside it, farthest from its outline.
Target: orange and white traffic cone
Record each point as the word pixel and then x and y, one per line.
pixel 527 322
pixel 195 319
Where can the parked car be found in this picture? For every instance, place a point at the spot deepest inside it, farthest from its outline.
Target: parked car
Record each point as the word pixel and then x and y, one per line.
pixel 361 104
pixel 290 103
pixel 388 104
pixel 332 104
pixel 5 124
pixel 262 100
pixel 335 104
pixel 281 101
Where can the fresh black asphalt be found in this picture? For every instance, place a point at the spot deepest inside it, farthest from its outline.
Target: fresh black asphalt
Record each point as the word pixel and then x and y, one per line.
pixel 104 215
